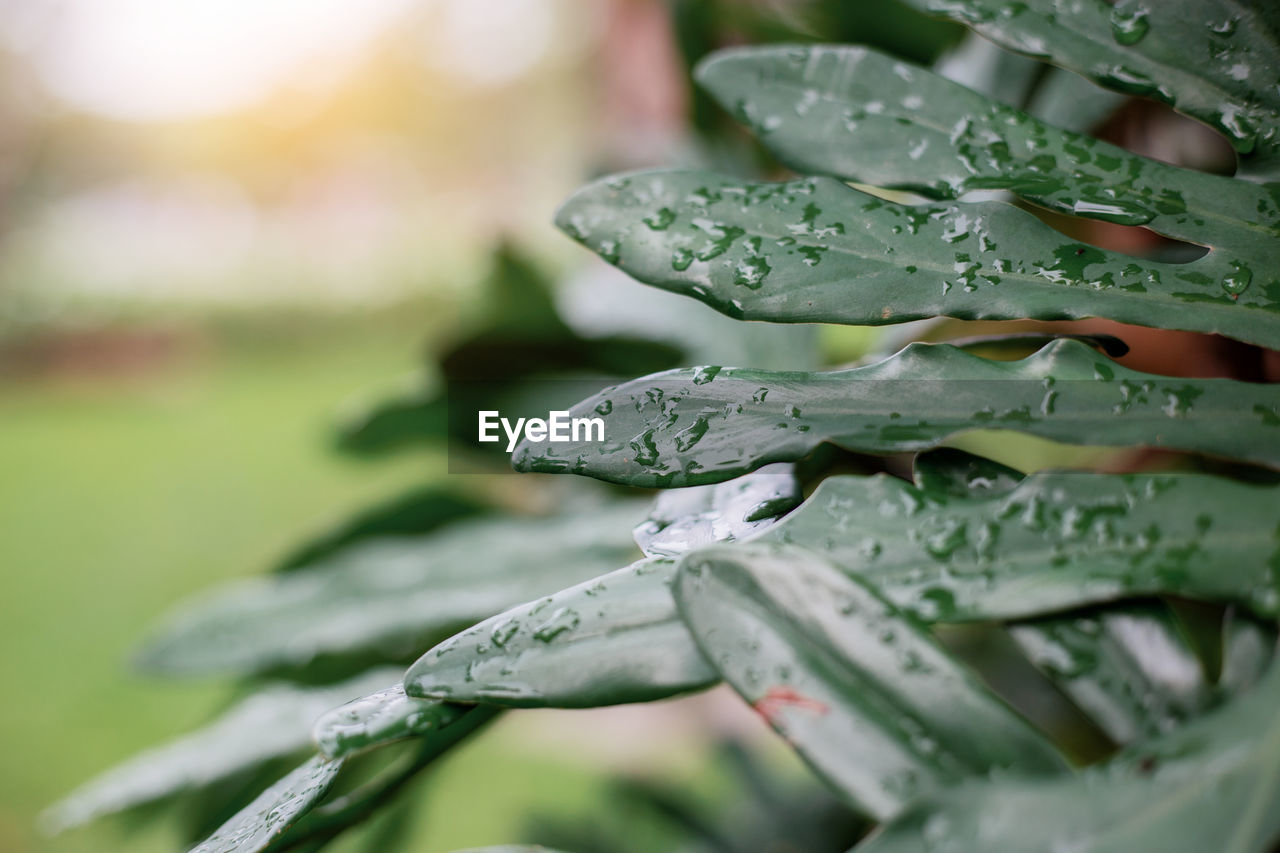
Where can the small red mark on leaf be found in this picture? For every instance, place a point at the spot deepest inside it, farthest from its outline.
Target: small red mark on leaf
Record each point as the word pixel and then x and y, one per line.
pixel 771 704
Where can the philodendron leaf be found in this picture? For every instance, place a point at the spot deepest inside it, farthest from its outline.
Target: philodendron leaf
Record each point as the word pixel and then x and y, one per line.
pixel 258 824
pixel 607 641
pixel 272 722
pixel 683 519
pixel 703 425
pixel 1130 669
pixel 391 596
pixel 863 692
pixel 1059 540
pixel 1127 665
pixel 815 250
pixel 380 718
pixel 1213 60
pixel 857 114
pixel 616 638
pixel 1209 785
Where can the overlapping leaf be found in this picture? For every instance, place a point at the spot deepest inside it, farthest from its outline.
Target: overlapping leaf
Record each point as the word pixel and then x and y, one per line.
pixel 380 718
pixel 700 425
pixel 815 250
pixel 1210 785
pixel 1213 60
pixel 389 597
pixel 613 639
pixel 857 114
pixel 862 691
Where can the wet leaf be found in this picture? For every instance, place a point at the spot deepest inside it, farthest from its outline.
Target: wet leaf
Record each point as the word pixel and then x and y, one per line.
pixel 815 250
pixel 1212 60
pixel 862 116
pixel 1128 666
pixel 683 519
pixel 862 691
pixel 1209 785
pixel 255 826
pixel 272 722
pixel 380 718
pixel 670 429
pixel 392 596
pixel 610 640
pixel 1059 540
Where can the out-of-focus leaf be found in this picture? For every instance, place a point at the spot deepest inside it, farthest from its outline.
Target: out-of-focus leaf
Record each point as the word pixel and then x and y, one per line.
pixel 1130 669
pixel 258 824
pixel 683 519
pixel 381 717
pixel 390 596
pixel 272 722
pixel 863 692
pixel 406 419
pixel 1248 647
pixel 607 641
pixel 613 639
pixel 1210 59
pixel 815 250
pixel 853 113
pixel 421 510
pixel 1059 540
pixel 1209 785
pixel 703 425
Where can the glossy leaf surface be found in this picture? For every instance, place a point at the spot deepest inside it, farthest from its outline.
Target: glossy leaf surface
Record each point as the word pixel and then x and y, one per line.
pixel 255 826
pixel 1209 785
pixel 609 640
pixel 1213 60
pixel 701 425
pixel 379 718
pixel 1059 540
pixel 862 691
pixel 391 596
pixel 815 250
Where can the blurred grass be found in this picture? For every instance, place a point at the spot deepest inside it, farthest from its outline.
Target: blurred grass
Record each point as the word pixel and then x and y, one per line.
pixel 122 494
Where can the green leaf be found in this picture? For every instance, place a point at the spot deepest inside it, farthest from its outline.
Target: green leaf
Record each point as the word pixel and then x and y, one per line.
pixel 390 597
pixel 1129 669
pixel 420 510
pixel 380 718
pixel 684 519
pixel 702 425
pixel 258 824
pixel 1059 540
pixel 1214 60
pixel 616 638
pixel 857 114
pixel 607 641
pixel 815 250
pixel 1209 785
pixel 862 691
pixel 1128 666
pixel 270 723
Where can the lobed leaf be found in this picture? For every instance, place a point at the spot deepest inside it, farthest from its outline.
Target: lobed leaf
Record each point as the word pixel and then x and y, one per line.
pixel 1214 60
pixel 815 250
pixel 258 824
pixel 380 718
pixel 860 115
pixel 862 691
pixel 1209 785
pixel 389 597
pixel 703 425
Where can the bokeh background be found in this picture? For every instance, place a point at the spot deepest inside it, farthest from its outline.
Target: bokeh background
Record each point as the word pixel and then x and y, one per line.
pixel 223 224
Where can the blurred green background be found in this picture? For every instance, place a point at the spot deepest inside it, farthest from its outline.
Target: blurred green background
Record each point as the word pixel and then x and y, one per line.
pixel 220 221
